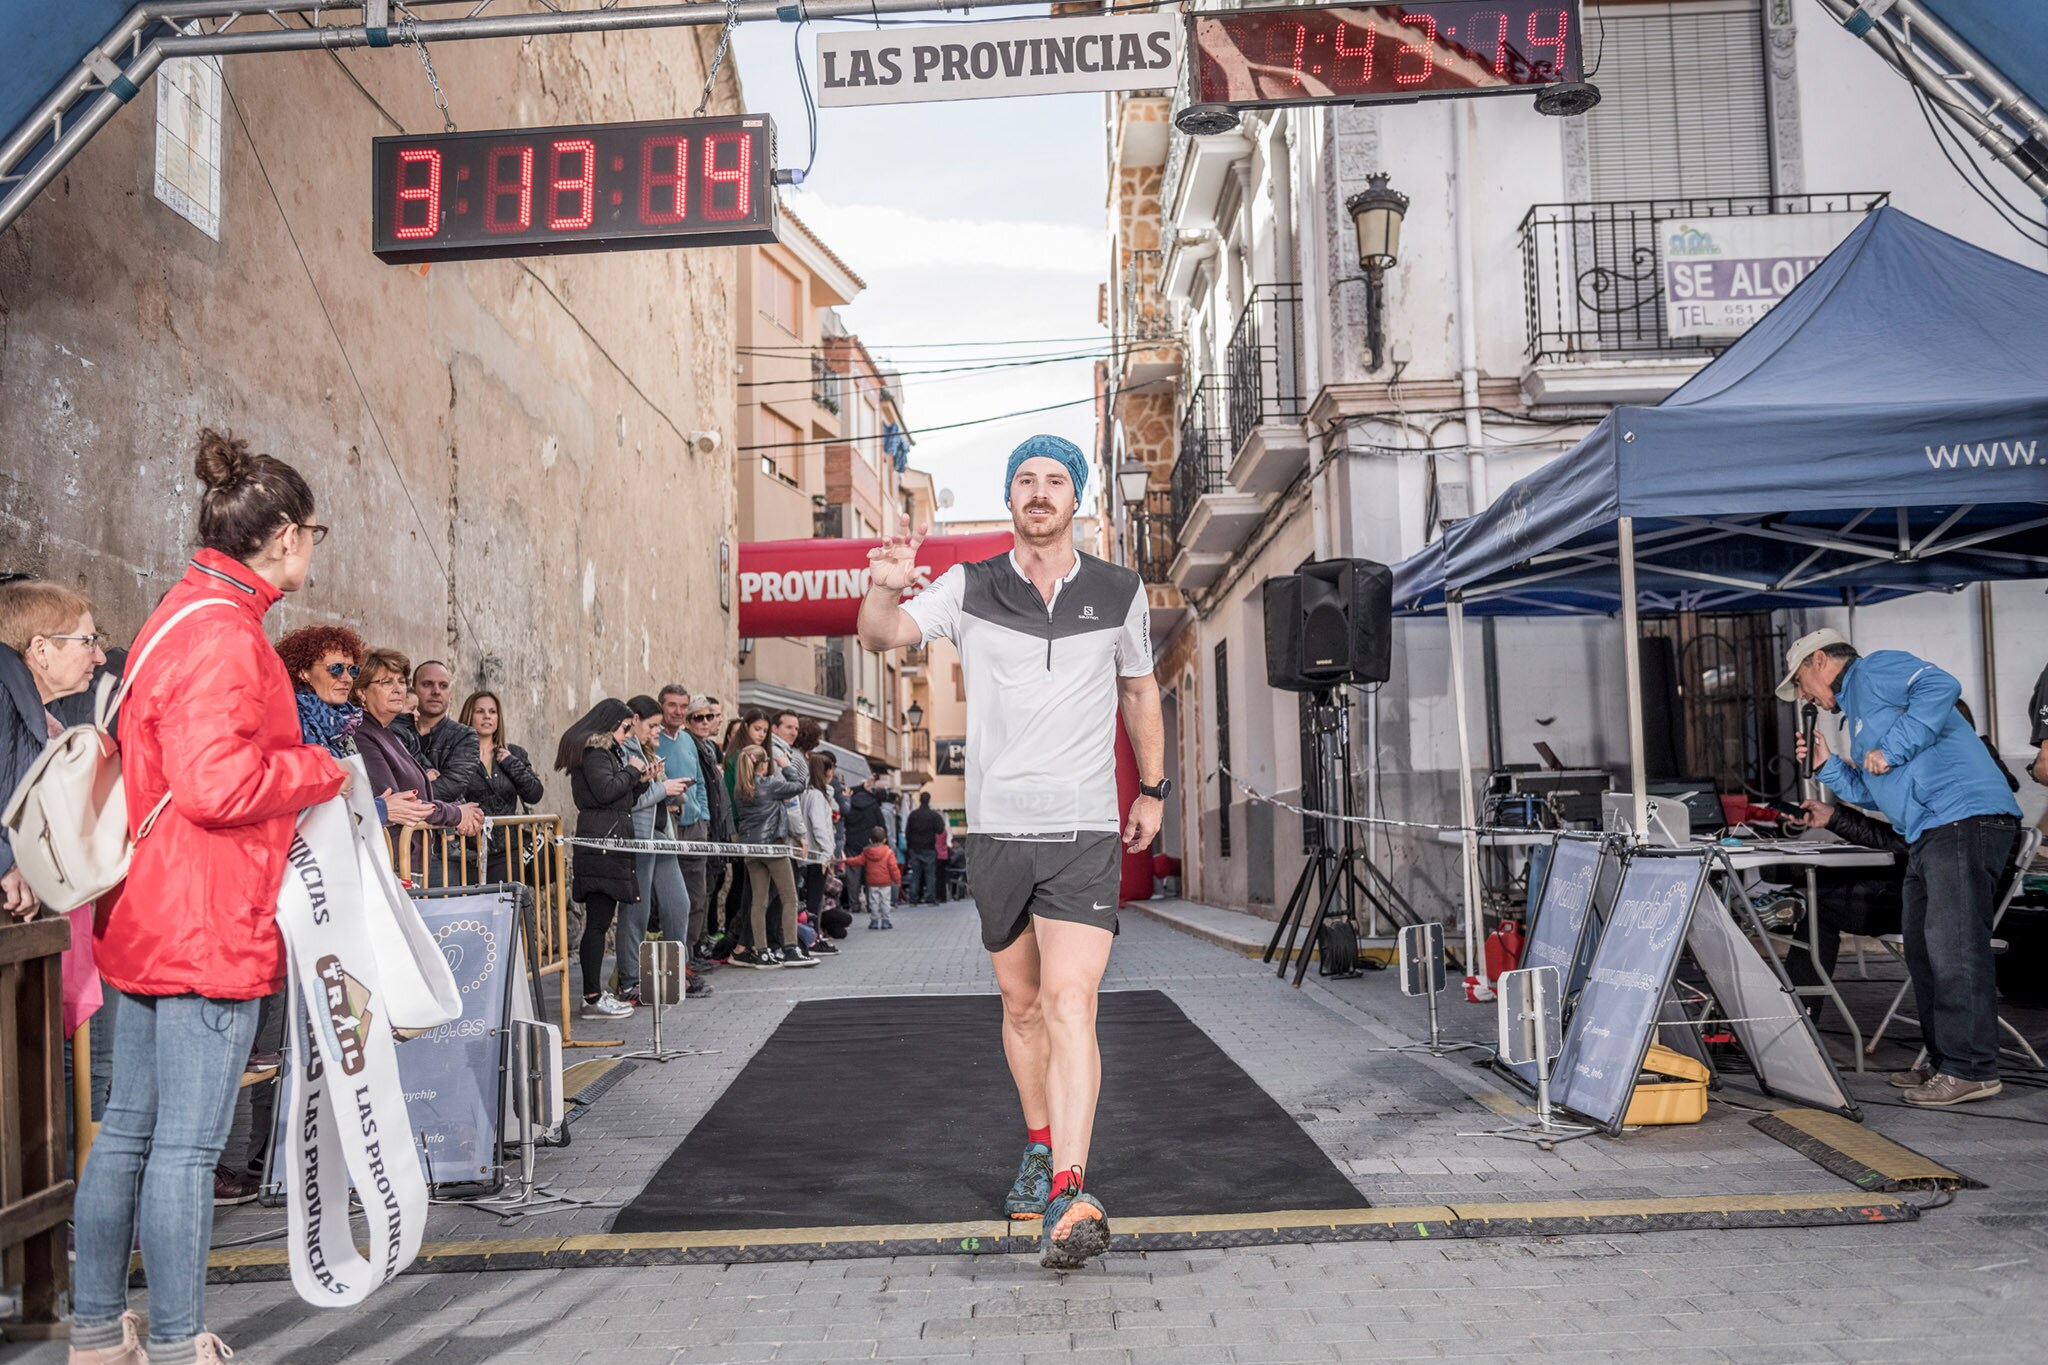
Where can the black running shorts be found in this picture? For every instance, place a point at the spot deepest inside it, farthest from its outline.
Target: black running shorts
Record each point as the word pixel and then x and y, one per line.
pixel 1065 879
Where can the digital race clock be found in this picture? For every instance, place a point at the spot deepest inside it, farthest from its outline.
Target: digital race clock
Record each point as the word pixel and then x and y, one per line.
pixel 1363 54
pixel 597 187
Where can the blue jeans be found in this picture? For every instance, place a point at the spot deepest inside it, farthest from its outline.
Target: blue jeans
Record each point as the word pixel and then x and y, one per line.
pixel 1952 878
pixel 153 1160
pixel 921 881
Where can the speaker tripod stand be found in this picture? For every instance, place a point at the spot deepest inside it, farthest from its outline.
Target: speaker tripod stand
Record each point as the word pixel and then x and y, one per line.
pixel 1340 872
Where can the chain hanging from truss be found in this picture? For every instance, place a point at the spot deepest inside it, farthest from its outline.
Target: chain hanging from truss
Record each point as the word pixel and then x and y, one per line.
pixel 408 32
pixel 732 19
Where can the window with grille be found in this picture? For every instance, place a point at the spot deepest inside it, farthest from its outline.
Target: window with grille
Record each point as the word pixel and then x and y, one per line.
pixel 1222 748
pixel 1682 111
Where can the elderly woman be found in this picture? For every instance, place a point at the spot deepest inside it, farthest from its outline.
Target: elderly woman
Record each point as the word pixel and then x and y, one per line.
pixel 324 663
pixel 48 650
pixel 394 772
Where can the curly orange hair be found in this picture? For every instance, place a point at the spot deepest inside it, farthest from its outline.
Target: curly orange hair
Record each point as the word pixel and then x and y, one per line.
pixel 303 649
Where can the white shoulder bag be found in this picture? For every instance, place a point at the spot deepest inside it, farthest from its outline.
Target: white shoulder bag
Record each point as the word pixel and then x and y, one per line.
pixel 68 818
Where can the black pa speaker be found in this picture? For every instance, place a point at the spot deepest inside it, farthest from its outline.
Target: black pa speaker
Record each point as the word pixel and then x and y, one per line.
pixel 1331 623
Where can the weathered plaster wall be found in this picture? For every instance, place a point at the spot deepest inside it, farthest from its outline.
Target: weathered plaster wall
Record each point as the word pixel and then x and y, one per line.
pixel 540 518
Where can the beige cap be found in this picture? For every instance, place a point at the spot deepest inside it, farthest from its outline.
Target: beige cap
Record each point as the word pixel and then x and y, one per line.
pixel 1802 649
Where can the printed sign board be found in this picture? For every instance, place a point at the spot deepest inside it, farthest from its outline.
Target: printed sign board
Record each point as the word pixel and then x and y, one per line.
pixel 1565 927
pixel 987 61
pixel 454 1075
pixel 1616 1014
pixel 1722 274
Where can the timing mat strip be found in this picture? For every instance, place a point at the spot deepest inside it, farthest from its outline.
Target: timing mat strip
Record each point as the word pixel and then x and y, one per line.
pixel 1867 1160
pixel 1567 1217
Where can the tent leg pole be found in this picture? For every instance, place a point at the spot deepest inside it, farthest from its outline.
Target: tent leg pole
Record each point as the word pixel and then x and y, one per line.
pixel 1990 664
pixel 1468 844
pixel 1632 655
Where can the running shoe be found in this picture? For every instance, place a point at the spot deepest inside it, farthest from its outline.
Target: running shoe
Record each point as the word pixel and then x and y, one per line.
pixel 761 958
pixel 887 923
pixel 694 986
pixel 874 922
pixel 1033 1185
pixel 793 956
pixel 1086 1233
pixel 606 1006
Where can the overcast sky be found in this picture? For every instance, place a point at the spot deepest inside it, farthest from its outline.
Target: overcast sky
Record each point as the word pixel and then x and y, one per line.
pixel 971 221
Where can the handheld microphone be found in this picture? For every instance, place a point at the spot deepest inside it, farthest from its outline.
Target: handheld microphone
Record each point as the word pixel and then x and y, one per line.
pixel 1809 714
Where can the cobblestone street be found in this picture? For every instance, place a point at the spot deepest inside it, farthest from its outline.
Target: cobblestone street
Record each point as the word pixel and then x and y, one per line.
pixel 1965 1282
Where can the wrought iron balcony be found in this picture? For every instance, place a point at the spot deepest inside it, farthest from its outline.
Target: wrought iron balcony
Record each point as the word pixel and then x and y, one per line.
pixel 826 384
pixel 920 750
pixel 1144 315
pixel 832 672
pixel 1204 456
pixel 1152 538
pixel 1264 355
pixel 1592 278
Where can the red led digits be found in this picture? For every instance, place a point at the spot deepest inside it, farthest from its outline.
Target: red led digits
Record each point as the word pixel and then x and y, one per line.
pixel 1539 19
pixel 517 188
pixel 1284 46
pixel 670 184
pixel 1364 54
pixel 1425 47
pixel 423 196
pixel 739 175
pixel 1497 20
pixel 581 187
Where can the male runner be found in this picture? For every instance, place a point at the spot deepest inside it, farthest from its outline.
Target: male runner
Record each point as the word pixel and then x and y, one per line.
pixel 1050 641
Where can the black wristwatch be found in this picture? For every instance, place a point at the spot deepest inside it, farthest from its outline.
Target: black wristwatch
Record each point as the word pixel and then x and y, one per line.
pixel 1160 791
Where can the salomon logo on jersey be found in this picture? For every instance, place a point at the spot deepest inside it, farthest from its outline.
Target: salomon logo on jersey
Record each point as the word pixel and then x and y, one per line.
pixel 1088 614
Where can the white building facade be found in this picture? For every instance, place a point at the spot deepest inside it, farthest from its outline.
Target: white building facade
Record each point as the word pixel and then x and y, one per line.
pixel 1526 301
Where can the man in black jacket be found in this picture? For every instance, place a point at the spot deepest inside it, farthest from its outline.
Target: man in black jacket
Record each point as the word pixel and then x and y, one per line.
pixel 921 837
pixel 448 751
pixel 863 813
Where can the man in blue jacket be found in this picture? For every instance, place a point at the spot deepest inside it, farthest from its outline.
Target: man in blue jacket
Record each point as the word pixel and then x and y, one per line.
pixel 1913 756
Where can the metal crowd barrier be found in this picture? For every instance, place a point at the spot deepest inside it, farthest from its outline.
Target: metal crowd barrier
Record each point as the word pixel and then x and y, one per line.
pixel 534 859
pixel 35 1195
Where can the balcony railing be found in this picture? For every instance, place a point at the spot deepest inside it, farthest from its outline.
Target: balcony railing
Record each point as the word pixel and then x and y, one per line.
pixel 1152 541
pixel 1202 462
pixel 831 672
pixel 1145 315
pixel 920 750
pixel 1265 376
pixel 826 384
pixel 914 656
pixel 1592 277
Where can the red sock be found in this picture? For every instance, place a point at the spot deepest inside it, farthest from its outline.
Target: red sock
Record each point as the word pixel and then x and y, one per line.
pixel 1043 1135
pixel 1063 1180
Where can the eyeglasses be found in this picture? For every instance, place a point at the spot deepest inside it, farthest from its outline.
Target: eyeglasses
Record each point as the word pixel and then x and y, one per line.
pixel 97 640
pixel 315 530
pixel 344 671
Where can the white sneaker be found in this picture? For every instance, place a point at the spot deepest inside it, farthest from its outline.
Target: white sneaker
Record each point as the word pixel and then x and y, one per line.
pixel 606 1006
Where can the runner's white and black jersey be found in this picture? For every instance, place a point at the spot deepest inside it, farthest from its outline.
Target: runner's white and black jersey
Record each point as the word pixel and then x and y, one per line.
pixel 1041 688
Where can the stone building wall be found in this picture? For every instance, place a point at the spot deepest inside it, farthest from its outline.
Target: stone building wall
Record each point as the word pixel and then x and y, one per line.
pixel 518 494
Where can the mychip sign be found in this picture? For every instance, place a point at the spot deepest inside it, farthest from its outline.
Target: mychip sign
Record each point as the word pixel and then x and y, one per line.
pixel 988 61
pixel 1722 274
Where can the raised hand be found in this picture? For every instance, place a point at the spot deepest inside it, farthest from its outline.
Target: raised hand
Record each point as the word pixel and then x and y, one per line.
pixel 893 563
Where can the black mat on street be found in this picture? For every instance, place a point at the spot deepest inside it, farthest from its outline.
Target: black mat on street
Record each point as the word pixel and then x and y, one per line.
pixel 899 1109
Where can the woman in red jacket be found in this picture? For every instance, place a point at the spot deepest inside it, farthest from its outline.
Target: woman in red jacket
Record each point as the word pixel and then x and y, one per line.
pixel 216 772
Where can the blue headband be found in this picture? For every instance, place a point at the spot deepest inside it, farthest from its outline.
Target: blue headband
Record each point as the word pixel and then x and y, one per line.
pixel 1052 448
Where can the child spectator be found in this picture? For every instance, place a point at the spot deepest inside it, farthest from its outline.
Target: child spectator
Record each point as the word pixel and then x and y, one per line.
pixel 882 876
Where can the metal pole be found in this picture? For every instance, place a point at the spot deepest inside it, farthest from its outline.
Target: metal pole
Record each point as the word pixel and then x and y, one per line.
pixel 1372 786
pixel 1468 842
pixel 1632 655
pixel 1990 664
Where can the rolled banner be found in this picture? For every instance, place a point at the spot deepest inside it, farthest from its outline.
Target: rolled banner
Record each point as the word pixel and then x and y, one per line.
pixel 353 946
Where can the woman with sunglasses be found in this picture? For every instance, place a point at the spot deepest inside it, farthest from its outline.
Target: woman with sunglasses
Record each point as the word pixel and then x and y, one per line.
pixel 325 662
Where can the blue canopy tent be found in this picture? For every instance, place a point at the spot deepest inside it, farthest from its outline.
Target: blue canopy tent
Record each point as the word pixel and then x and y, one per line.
pixel 1883 430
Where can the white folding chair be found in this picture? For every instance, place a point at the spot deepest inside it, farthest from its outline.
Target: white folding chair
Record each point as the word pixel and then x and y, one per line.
pixel 2030 844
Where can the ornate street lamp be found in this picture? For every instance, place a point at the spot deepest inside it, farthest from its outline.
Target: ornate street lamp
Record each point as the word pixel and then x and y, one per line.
pixel 915 715
pixel 1376 212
